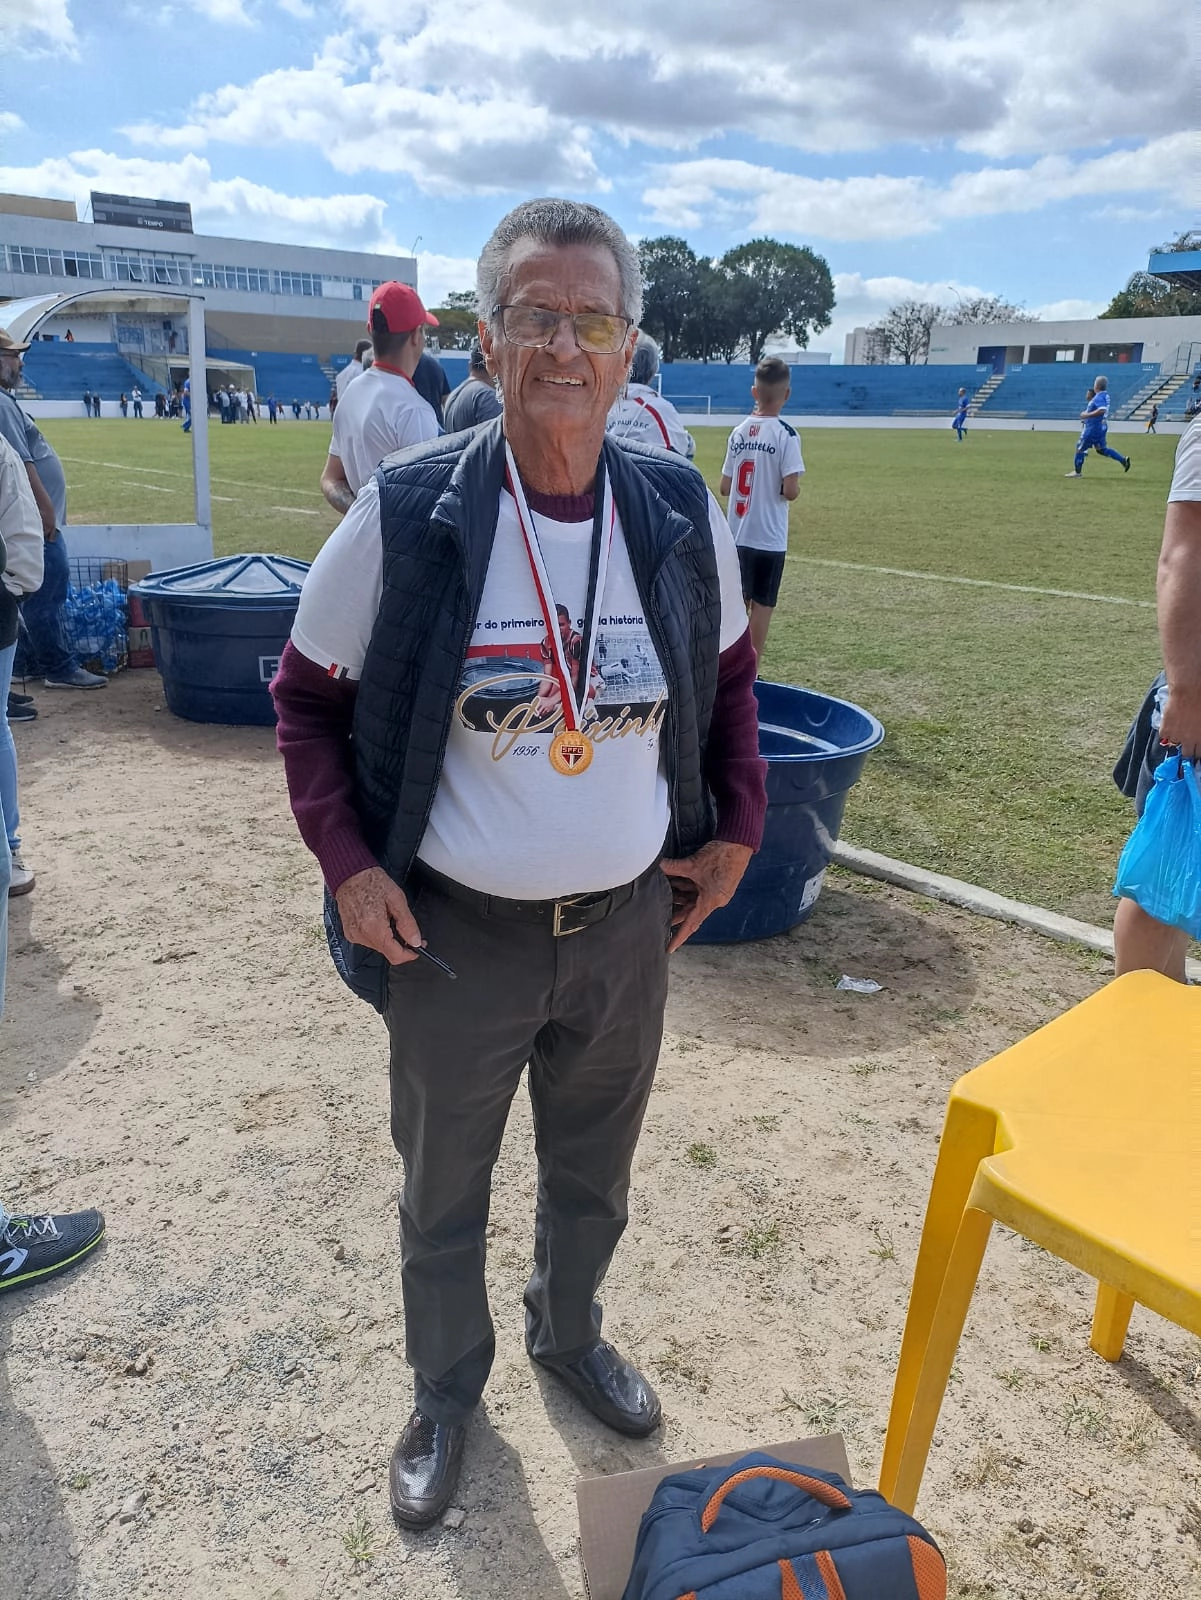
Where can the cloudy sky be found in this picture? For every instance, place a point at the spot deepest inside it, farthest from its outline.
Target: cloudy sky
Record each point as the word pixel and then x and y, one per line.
pixel 1012 147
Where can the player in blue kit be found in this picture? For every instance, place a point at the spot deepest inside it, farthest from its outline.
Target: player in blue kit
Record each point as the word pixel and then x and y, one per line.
pixel 959 420
pixel 1095 418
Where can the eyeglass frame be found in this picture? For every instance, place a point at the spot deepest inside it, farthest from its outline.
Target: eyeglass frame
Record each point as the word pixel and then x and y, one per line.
pixel 498 312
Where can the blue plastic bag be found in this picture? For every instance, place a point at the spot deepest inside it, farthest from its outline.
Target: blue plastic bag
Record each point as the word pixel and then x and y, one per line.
pixel 1160 868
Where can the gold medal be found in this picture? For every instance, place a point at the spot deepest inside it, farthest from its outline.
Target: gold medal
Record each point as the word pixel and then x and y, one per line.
pixel 570 752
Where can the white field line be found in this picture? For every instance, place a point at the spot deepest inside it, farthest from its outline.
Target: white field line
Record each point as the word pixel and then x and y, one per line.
pixel 154 488
pixel 165 472
pixel 975 583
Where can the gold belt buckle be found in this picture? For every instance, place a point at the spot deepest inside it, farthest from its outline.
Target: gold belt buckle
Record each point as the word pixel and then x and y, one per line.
pixel 560 932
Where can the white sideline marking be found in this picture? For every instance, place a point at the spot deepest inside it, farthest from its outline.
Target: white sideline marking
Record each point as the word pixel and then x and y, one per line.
pixel 154 488
pixel 297 511
pixel 975 583
pixel 165 472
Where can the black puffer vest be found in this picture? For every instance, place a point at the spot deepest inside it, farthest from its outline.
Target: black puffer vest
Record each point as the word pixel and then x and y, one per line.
pixel 438 505
pixel 438 510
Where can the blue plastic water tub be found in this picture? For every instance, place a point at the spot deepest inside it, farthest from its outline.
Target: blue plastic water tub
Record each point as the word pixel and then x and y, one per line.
pixel 815 747
pixel 218 631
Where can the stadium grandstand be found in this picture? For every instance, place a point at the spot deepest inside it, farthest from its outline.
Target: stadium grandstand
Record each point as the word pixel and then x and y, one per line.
pixel 281 318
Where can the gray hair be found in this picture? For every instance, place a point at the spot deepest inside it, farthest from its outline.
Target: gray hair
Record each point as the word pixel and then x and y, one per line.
pixel 556 222
pixel 645 363
pixel 1101 382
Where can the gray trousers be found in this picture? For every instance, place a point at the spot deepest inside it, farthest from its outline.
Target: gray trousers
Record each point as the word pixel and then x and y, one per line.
pixel 586 1013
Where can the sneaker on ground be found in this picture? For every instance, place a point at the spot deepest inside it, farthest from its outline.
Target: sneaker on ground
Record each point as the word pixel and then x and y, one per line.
pixel 1125 463
pixel 15 699
pixel 33 1248
pixel 1073 474
pixel 23 879
pixel 81 678
pixel 21 711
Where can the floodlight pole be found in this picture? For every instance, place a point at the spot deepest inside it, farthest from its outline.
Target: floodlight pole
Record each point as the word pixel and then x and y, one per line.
pixel 198 372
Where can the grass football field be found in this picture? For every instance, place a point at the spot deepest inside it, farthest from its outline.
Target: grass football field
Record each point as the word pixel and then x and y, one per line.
pixel 1005 704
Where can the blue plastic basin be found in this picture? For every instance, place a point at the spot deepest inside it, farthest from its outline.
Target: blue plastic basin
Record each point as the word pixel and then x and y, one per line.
pixel 218 631
pixel 815 747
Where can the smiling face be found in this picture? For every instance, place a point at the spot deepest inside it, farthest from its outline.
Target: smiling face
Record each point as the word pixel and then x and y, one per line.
pixel 557 398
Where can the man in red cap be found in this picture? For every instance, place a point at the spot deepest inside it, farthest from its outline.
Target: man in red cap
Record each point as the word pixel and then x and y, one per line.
pixel 381 411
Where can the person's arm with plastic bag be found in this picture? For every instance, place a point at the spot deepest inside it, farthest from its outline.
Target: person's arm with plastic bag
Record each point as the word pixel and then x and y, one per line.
pixel 1144 937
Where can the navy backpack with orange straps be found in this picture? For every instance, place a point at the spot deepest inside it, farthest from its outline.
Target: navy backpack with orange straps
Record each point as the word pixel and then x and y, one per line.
pixel 763 1530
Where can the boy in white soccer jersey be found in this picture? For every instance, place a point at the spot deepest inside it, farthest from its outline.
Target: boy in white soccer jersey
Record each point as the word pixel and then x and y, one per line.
pixel 763 466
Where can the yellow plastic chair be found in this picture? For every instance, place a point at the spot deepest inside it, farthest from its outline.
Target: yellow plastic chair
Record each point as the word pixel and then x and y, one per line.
pixel 1086 1138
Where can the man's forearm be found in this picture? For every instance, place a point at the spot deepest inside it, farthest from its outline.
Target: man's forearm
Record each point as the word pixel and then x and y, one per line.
pixel 315 714
pixel 1178 588
pixel 44 504
pixel 335 488
pixel 734 770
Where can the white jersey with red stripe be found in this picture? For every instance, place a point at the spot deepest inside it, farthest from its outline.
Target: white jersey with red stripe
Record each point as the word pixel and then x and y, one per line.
pixel 642 416
pixel 762 452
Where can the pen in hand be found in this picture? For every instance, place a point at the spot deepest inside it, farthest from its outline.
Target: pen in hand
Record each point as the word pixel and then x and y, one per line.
pixel 420 950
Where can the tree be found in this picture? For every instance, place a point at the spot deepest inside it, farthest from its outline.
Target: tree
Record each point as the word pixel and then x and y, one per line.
pixel 1148 296
pixel 669 280
pixel 778 288
pixel 712 329
pixel 457 320
pixel 904 333
pixel 984 308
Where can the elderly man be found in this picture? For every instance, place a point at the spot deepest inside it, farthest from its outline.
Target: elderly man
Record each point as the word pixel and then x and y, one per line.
pixel 381 411
pixel 552 849
pixel 475 400
pixel 48 648
pixel 641 415
pixel 353 369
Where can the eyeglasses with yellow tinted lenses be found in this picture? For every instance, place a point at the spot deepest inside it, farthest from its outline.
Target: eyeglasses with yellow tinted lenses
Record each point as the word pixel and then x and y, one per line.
pixel 596 332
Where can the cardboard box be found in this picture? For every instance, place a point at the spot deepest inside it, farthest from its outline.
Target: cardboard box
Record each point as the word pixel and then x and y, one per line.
pixel 127 571
pixel 610 1508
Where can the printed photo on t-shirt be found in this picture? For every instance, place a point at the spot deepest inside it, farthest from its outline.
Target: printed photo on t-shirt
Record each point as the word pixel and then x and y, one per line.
pixel 511 690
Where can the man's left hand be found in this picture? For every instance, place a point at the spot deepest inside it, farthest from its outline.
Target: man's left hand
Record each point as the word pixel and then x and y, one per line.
pixel 702 882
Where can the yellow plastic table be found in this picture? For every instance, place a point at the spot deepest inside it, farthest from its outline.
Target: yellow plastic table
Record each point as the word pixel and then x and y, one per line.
pixel 1086 1138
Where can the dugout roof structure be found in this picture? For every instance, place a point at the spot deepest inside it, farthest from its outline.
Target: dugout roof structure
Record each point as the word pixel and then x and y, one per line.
pixel 164 545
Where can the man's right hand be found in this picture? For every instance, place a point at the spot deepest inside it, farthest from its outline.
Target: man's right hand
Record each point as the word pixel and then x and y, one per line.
pixel 373 911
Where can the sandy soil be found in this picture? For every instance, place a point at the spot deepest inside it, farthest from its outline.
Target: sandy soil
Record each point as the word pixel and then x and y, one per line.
pixel 179 1052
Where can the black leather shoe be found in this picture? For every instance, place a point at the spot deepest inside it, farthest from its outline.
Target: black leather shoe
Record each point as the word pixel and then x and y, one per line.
pixel 612 1389
pixel 425 1470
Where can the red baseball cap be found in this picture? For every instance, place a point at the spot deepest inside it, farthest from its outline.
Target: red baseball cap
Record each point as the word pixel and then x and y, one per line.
pixel 400 308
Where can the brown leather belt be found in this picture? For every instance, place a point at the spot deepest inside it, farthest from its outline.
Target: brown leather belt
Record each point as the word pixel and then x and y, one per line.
pixel 572 914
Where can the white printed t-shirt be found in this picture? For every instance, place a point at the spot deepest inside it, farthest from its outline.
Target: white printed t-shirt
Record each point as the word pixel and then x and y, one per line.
pixel 1186 476
pixel 503 820
pixel 762 452
pixel 352 370
pixel 642 416
pixel 379 413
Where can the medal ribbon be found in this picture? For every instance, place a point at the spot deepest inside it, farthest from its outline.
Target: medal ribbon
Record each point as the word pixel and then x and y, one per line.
pixel 574 703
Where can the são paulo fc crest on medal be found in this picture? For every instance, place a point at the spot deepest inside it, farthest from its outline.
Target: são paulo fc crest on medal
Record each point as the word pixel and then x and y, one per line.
pixel 571 752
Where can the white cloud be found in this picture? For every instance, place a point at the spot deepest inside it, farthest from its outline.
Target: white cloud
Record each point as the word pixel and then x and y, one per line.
pixel 1069 310
pixel 297 8
pixel 438 275
pixel 233 207
pixel 37 27
pixel 487 95
pixel 235 12
pixel 10 122
pixel 752 199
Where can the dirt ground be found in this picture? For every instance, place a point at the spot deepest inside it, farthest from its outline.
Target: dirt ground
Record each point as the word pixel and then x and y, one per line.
pixel 207 1408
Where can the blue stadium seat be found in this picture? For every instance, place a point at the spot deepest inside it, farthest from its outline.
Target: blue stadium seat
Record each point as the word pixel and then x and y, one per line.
pixel 58 371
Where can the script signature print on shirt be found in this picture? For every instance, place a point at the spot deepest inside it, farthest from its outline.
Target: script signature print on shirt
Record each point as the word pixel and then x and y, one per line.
pixel 510 692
